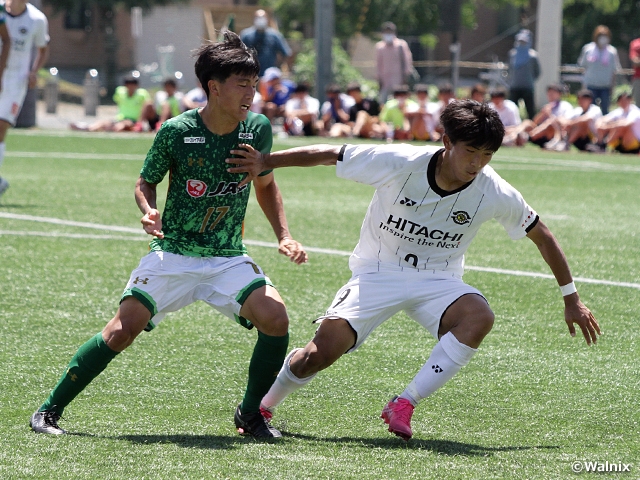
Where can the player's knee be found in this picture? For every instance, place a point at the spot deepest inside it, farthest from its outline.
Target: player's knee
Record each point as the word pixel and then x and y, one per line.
pixel 483 323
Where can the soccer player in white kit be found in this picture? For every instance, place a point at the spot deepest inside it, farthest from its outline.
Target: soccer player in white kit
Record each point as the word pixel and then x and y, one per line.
pixel 27 26
pixel 428 205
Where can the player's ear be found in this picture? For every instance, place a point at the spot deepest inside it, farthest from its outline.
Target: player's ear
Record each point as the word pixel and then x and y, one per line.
pixel 212 85
pixel 446 141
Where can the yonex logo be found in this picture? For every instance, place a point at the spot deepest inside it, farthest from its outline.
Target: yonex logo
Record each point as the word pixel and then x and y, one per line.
pixel 194 140
pixel 461 217
pixel 245 136
pixel 436 368
pixel 408 202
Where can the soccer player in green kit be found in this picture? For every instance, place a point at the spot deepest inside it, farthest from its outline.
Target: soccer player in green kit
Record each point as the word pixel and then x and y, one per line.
pixel 197 251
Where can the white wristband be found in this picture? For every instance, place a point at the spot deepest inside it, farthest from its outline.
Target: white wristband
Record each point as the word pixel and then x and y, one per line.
pixel 568 289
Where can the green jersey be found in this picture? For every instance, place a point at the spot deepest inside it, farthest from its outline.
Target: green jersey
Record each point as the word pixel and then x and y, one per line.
pixel 205 209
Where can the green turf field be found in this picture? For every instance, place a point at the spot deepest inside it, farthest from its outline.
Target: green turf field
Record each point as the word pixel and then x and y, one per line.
pixel 531 403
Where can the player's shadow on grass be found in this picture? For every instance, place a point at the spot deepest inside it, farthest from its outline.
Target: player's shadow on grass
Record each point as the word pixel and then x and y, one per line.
pixel 225 442
pixel 445 447
pixel 212 442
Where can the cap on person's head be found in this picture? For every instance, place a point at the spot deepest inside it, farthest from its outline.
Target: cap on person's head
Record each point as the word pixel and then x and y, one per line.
pixel 130 79
pixel 353 87
pixel 421 88
pixel 271 73
pixel 556 87
pixel 389 27
pixel 623 94
pixel 584 93
pixel 498 92
pixel 401 90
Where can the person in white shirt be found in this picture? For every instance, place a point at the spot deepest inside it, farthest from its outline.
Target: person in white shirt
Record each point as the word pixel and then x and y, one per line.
pixel 510 117
pixel 620 129
pixel 541 129
pixel 428 205
pixel 301 111
pixel 28 28
pixel 578 128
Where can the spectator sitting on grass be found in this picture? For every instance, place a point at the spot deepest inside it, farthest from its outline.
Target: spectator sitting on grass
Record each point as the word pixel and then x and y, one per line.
pixel 130 100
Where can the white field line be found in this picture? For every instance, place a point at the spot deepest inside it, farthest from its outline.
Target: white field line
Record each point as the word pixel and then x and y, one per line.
pixel 139 237
pixel 501 160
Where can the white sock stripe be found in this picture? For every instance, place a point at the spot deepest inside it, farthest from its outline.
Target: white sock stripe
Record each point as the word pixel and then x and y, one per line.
pixel 456 351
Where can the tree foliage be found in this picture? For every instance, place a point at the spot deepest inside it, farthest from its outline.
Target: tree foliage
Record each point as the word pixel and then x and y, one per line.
pixel 412 17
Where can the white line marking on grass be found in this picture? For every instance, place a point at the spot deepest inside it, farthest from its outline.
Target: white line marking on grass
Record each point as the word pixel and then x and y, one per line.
pixel 327 251
pixel 77 156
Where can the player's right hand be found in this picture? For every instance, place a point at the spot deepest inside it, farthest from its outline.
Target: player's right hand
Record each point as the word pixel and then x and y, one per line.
pixel 152 223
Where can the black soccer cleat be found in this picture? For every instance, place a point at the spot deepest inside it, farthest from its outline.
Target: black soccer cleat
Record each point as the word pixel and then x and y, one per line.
pixel 254 424
pixel 46 422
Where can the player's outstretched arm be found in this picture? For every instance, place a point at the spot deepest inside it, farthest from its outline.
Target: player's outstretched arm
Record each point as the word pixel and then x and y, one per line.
pixel 250 161
pixel 270 200
pixel 575 312
pixel 146 199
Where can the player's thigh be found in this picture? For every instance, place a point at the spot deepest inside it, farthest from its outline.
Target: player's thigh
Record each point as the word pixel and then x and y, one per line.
pixel 239 289
pixel 265 309
pixel 435 299
pixel 365 302
pixel 129 321
pixel 12 96
pixel 164 282
pixel 469 318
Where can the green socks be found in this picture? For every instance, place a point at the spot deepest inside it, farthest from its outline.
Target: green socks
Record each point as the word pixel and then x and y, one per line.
pixel 90 359
pixel 266 362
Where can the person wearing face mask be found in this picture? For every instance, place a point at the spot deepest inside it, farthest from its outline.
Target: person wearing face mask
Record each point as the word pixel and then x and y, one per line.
pixel 394 61
pixel 524 69
pixel 268 42
pixel 601 63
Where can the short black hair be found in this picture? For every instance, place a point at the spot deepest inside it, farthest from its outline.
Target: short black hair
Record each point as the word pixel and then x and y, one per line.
pixel 353 86
pixel 219 60
pixel 474 123
pixel 170 81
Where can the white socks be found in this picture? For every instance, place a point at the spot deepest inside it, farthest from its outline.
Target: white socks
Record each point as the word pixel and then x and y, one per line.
pixel 286 383
pixel 447 358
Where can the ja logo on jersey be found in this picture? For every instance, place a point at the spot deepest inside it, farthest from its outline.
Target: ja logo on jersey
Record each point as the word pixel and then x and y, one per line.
pixel 196 188
pixel 461 217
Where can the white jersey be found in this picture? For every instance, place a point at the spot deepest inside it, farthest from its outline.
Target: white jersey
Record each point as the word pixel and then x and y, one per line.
pixel 509 113
pixel 592 113
pixel 26 30
pixel 631 114
pixel 412 223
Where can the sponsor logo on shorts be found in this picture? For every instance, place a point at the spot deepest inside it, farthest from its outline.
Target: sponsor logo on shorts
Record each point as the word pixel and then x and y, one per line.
pixel 196 188
pixel 194 140
pixel 461 218
pixel 245 136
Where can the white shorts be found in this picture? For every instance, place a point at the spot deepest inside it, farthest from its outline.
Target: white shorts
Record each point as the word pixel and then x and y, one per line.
pixel 166 282
pixel 369 299
pixel 12 96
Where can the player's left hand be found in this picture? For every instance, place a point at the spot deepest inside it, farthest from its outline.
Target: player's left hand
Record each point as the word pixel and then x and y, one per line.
pixel 575 312
pixel 293 249
pixel 248 160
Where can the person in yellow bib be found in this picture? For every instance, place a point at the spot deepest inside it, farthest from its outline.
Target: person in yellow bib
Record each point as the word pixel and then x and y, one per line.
pixel 130 99
pixel 166 105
